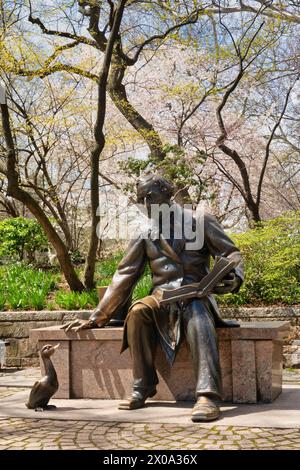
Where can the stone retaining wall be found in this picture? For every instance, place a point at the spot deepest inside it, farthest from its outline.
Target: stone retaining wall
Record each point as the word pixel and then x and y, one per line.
pixel 15 327
pixel 291 349
pixel 22 352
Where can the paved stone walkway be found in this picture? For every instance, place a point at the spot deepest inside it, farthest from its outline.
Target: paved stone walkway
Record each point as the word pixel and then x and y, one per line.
pixel 8 391
pixel 57 434
pixel 41 434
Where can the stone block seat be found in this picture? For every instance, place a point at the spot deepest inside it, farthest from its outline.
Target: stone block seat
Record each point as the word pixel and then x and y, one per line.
pixel 89 364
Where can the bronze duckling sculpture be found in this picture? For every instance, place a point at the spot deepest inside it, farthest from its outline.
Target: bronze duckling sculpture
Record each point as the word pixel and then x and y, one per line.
pixel 45 388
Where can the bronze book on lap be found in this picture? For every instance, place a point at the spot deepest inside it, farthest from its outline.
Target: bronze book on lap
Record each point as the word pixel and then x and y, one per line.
pixel 221 267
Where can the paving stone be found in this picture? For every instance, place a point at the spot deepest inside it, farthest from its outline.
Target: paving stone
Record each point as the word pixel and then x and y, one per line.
pixel 70 447
pixel 32 447
pixel 247 447
pixel 50 448
pixel 211 447
pixel 227 447
pixel 47 434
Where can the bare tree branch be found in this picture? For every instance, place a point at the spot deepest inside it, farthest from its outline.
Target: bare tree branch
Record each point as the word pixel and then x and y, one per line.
pixel 267 151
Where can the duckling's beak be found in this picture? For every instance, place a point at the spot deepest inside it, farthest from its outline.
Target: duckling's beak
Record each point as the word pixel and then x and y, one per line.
pixel 56 346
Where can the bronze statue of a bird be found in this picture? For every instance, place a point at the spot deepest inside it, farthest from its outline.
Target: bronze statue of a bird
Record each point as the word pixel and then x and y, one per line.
pixel 45 388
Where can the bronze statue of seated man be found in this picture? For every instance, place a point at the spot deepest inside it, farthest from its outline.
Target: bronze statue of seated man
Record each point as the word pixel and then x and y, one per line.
pixel 172 264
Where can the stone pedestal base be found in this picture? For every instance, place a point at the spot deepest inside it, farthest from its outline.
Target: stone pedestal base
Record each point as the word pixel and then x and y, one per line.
pixel 89 364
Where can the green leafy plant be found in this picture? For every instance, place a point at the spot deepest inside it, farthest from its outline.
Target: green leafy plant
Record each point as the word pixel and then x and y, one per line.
pixel 20 237
pixel 106 269
pixel 175 166
pixel 2 301
pixel 25 288
pixel 76 300
pixel 143 287
pixel 271 254
pixel 76 257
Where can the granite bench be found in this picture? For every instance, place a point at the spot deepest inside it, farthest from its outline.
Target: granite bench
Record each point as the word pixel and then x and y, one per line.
pixel 89 364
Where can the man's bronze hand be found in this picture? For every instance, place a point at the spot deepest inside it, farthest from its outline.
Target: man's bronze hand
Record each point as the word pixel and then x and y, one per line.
pixel 230 283
pixel 78 325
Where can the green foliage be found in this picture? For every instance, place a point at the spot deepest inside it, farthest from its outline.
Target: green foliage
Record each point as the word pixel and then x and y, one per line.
pixel 20 236
pixel 175 166
pixel 104 270
pixel 76 257
pixel 133 166
pixel 143 287
pixel 24 288
pixel 271 253
pixel 76 300
pixel 2 301
pixel 272 263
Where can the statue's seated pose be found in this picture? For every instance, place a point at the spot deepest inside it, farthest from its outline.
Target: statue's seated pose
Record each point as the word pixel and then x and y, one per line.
pixel 172 265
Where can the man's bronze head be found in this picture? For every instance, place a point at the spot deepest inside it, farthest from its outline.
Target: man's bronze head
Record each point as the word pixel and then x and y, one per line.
pixel 154 189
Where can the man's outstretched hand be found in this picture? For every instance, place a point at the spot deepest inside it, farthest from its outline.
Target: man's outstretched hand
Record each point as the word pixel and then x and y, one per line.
pixel 78 325
pixel 230 283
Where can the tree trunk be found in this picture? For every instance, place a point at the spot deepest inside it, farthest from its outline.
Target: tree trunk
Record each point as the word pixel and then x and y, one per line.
pixel 55 240
pixel 245 190
pixel 252 214
pixel 93 243
pixel 67 233
pixel 117 92
pixel 100 141
pixel 16 192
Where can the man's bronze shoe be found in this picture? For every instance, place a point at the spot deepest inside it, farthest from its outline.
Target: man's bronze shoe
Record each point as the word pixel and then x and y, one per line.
pixel 205 409
pixel 137 399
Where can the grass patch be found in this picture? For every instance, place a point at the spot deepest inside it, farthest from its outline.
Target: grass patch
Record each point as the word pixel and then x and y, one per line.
pixel 76 300
pixel 143 287
pixel 2 302
pixel 105 269
pixel 25 288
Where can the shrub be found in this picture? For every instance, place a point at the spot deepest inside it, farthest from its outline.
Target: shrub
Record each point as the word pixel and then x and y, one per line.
pixel 20 236
pixel 76 257
pixel 271 254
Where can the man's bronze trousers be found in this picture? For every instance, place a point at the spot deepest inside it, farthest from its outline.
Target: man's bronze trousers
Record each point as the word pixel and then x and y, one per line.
pixel 197 322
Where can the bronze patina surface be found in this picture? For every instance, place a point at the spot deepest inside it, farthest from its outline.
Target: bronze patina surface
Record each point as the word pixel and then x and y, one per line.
pixel 148 322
